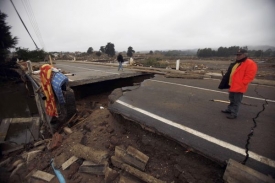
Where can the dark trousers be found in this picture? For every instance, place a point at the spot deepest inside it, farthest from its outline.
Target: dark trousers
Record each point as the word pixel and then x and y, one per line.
pixel 120 66
pixel 235 102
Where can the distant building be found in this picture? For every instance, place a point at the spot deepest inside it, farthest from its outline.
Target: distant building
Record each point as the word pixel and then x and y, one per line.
pixel 55 54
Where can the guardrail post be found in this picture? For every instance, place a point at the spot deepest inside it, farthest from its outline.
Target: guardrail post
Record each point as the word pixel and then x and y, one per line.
pixel 177 64
pixel 29 65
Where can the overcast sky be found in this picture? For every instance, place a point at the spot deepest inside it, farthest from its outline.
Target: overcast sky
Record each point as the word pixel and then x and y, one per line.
pixel 76 25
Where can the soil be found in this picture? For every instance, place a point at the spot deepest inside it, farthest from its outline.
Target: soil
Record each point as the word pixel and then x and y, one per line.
pixel 98 128
pixel 102 130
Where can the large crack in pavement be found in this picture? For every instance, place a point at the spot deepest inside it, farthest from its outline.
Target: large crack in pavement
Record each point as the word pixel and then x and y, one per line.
pixel 254 126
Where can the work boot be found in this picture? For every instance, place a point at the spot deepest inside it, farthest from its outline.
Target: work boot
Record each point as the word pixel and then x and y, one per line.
pixel 226 111
pixel 231 117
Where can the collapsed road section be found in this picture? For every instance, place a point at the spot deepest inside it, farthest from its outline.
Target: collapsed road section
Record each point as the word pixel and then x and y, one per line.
pixel 95 145
pixel 183 110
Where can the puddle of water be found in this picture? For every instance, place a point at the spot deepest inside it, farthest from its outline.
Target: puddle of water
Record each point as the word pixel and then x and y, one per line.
pixel 16 103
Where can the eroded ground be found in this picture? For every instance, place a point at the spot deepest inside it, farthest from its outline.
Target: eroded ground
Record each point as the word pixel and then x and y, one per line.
pixel 168 161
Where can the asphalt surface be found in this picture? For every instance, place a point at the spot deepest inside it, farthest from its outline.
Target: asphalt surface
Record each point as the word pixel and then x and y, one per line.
pixel 182 110
pixel 87 73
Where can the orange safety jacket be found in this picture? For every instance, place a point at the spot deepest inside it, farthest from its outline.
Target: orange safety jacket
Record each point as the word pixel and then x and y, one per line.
pixel 243 75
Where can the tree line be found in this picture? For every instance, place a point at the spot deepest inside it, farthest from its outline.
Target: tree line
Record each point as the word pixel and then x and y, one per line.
pixel 109 50
pixel 230 51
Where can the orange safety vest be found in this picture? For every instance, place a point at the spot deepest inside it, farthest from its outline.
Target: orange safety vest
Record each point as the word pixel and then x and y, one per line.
pixel 243 75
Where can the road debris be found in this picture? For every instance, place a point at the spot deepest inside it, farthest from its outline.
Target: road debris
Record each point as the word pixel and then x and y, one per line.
pixel 43 176
pixel 69 162
pixel 67 130
pixel 131 170
pixel 55 142
pixel 237 172
pixel 93 168
pixel 110 175
pixel 89 153
pixel 132 157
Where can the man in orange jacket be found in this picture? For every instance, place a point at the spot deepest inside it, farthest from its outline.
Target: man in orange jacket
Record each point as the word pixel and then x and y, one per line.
pixel 237 78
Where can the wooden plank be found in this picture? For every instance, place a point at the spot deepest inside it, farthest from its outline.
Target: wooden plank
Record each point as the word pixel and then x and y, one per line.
pixel 133 171
pixel 69 162
pixel 137 154
pixel 43 176
pixel 131 160
pixel 96 169
pixel 236 172
pixel 21 120
pixel 5 124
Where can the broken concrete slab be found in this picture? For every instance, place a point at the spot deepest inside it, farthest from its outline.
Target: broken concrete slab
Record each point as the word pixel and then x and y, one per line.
pixel 236 172
pixel 129 88
pixel 117 162
pixel 115 95
pixel 93 168
pixel 133 171
pixel 134 157
pixel 126 179
pixel 89 153
pixel 69 162
pixel 110 175
pixel 97 169
pixel 87 163
pixel 43 176
pixel 137 154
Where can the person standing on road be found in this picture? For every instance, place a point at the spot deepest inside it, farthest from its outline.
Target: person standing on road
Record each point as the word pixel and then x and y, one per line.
pixel 238 76
pixel 120 61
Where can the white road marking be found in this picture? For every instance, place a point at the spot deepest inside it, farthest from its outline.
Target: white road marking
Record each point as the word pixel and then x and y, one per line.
pixel 91 69
pixel 199 88
pixel 214 140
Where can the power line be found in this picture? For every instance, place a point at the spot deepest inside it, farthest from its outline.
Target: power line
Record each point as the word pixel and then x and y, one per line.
pixel 34 22
pixel 31 20
pixel 24 24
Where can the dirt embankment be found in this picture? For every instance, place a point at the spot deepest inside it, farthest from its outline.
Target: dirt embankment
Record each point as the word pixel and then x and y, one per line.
pixel 101 130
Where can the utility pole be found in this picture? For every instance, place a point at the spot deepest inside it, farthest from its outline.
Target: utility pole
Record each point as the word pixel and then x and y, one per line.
pixel 24 25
